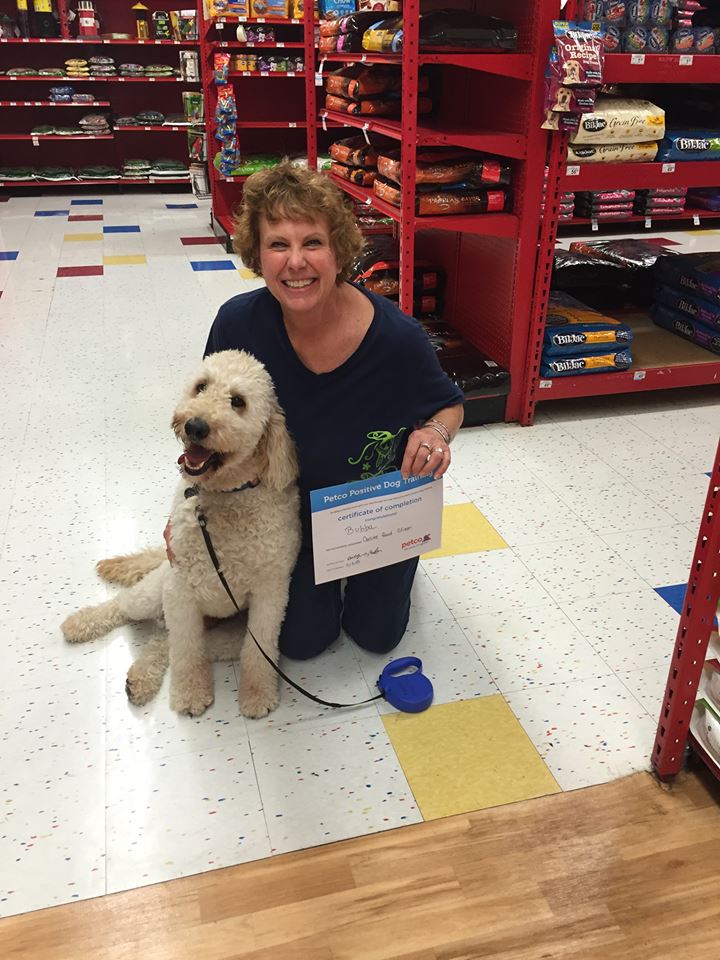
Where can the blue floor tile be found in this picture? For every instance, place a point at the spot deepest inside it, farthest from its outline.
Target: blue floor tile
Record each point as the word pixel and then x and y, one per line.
pixel 181 206
pixel 674 595
pixel 133 229
pixel 52 213
pixel 85 203
pixel 212 264
pixel 9 254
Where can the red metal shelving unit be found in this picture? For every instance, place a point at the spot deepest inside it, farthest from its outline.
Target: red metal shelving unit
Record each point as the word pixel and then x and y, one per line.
pixel 154 92
pixel 489 102
pixel 671 365
pixel 696 625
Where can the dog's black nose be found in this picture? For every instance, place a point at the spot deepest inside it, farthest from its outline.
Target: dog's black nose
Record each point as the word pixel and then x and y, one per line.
pixel 196 429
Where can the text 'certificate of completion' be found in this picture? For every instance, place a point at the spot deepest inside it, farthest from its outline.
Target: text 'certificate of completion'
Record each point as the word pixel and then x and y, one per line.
pixel 372 523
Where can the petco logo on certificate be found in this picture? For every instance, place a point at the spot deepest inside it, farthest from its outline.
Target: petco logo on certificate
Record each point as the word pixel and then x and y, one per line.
pixel 372 523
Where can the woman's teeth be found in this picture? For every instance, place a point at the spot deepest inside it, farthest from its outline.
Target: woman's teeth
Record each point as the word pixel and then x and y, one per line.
pixel 298 284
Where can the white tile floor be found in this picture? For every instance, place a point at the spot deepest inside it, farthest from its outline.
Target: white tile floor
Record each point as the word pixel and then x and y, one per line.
pixel 598 503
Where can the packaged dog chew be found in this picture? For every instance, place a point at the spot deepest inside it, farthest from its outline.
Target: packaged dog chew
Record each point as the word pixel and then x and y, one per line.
pixel 580 53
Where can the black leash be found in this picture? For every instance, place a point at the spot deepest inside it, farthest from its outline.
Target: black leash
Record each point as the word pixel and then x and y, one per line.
pixel 202 520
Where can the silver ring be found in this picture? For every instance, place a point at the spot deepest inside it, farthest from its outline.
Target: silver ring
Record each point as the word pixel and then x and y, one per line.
pixel 428 458
pixel 440 450
pixel 427 445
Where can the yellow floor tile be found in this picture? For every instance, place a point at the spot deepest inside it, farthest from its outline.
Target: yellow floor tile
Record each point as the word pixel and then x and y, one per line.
pixel 247 274
pixel 467 755
pixel 78 237
pixel 125 259
pixel 465 530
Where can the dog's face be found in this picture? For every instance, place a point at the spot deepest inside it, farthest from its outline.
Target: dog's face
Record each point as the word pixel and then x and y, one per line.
pixel 231 425
pixel 562 98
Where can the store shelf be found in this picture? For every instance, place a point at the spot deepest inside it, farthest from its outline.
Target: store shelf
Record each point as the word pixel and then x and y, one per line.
pixel 270 124
pixel 93 183
pixel 487 224
pixel 430 134
pixel 56 136
pixel 661 68
pixel 237 45
pixel 271 21
pixel 660 360
pixel 51 103
pixel 640 176
pixel 101 41
pixel 155 128
pixel 265 73
pixel 516 65
pixel 693 214
pixel 76 80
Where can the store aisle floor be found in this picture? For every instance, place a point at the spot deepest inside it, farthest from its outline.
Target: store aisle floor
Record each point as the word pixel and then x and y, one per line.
pixel 542 628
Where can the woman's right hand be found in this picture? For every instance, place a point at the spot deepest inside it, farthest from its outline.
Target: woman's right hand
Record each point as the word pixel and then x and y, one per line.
pixel 168 548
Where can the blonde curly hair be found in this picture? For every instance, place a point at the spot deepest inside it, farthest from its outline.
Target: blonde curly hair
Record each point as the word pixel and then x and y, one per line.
pixel 295 193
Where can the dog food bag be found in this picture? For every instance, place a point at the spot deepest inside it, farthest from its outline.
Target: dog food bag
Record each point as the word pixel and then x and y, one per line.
pixel 571 327
pixel 686 327
pixel 358 81
pixel 440 166
pixel 270 8
pixel 384 36
pixel 612 152
pixel 442 29
pixel 355 152
pixel 621 120
pixel 381 6
pixel 365 178
pixel 697 273
pixel 630 253
pixel 690 145
pixel 581 54
pixel 551 367
pixel 335 9
pixel 452 200
pixel 685 302
pixel 706 198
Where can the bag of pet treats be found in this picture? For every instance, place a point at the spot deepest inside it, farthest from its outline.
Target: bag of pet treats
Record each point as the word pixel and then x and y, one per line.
pixel 365 178
pixel 581 54
pixel 571 328
pixel 686 327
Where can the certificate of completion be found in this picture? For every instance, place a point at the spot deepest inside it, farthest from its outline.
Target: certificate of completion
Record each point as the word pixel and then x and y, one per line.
pixel 372 523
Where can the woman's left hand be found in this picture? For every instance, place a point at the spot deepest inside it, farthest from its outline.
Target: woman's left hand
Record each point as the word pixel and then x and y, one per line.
pixel 426 452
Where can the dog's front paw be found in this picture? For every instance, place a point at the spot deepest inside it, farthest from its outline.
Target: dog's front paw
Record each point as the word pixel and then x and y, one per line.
pixel 79 627
pixel 139 688
pixel 257 701
pixel 192 700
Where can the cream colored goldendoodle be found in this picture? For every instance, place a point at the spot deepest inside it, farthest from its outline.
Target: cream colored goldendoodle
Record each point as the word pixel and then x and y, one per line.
pixel 234 435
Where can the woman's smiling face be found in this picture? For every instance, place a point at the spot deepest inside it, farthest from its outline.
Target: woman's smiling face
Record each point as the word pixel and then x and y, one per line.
pixel 298 263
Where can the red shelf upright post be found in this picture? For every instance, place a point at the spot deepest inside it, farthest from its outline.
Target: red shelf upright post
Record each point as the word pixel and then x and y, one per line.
pixel 310 88
pixel 696 623
pixel 64 19
pixel 410 53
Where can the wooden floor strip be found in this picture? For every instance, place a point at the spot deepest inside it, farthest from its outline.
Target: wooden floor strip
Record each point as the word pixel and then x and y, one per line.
pixel 624 871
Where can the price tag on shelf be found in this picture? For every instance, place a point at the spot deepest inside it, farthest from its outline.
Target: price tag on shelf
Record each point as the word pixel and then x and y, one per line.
pixel 151 79
pixel 696 219
pixel 292 124
pixel 158 41
pixel 13 103
pixel 637 59
pixel 279 44
pixel 572 171
pixel 264 73
pixel 294 20
pixel 324 122
pixel 141 42
pixel 668 168
pixel 648 223
pixel 363 58
pixel 545 384
pixel 639 374
pixel 365 128
pixel 290 73
pixel 685 60
pixel 594 225
pixel 260 20
pixel 35 142
pixel 120 79
pixel 147 128
pixel 43 39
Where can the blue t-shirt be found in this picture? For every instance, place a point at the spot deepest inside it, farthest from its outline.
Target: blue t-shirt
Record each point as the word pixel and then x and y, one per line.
pixel 353 422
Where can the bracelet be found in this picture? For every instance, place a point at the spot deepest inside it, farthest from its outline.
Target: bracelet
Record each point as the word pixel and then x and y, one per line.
pixel 439 427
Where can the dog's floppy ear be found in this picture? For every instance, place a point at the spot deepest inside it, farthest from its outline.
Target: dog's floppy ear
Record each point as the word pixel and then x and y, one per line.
pixel 281 464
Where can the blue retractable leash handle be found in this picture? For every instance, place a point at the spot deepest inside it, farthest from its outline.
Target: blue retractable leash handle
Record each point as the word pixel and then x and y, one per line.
pixel 409 692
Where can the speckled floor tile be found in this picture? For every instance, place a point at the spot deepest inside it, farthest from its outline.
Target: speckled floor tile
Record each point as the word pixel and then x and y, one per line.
pixel 175 816
pixel 577 569
pixel 484 582
pixel 449 661
pixel 648 687
pixel 342 781
pixel 628 630
pixel 587 731
pixel 660 555
pixel 532 647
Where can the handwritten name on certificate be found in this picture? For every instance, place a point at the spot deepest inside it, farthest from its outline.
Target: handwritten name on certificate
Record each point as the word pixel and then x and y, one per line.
pixel 372 523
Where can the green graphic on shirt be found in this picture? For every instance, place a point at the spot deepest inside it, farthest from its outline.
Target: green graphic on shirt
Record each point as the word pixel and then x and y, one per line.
pixel 378 456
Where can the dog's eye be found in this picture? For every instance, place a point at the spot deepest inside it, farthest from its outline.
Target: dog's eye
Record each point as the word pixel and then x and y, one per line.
pixel 237 401
pixel 200 387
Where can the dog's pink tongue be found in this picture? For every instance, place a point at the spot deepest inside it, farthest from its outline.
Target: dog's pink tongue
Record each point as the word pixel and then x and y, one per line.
pixel 194 455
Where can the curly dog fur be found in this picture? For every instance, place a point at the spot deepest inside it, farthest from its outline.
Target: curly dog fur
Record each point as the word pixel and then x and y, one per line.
pixel 234 434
